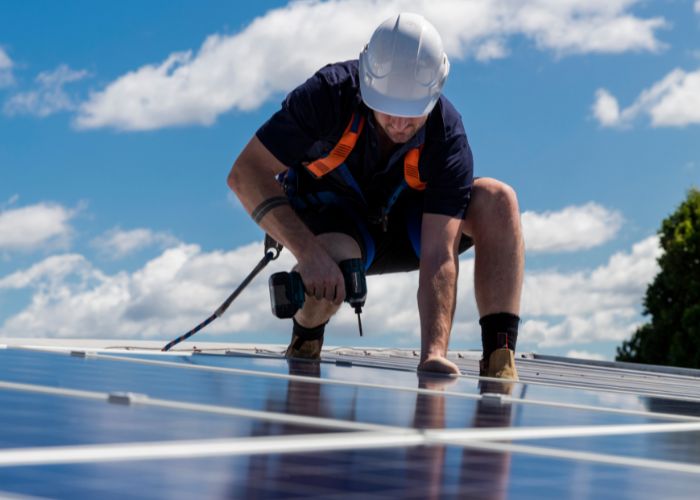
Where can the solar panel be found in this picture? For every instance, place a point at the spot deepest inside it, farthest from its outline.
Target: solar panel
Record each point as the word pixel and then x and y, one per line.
pixel 243 422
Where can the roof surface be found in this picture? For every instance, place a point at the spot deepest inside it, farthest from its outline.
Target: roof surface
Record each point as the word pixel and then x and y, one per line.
pixel 104 419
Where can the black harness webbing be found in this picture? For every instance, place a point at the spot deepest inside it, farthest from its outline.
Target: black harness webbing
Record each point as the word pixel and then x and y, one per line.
pixel 272 251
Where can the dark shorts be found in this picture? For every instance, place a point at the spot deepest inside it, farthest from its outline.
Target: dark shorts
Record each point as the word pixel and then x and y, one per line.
pixel 395 250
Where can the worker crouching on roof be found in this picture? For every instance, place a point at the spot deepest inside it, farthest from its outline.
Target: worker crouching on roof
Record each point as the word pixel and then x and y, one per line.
pixel 367 159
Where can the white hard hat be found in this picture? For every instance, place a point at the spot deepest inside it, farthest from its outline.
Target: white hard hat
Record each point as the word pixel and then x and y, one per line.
pixel 403 67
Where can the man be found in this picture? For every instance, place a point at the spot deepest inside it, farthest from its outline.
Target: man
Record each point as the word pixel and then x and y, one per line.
pixel 368 160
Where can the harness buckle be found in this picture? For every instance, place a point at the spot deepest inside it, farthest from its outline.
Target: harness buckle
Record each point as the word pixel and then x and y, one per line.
pixel 382 218
pixel 385 219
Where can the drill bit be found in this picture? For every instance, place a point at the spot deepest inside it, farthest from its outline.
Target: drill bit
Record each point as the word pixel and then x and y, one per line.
pixel 358 310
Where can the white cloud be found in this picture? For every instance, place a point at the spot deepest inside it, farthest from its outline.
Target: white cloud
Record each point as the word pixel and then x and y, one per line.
pixel 49 96
pixel 618 400
pixel 6 64
pixel 697 6
pixel 674 101
pixel 586 26
pixel 581 307
pixel 117 243
pixel 572 228
pixel 53 269
pixel 606 108
pixel 10 202
pixel 178 289
pixel 585 355
pixel 286 45
pixel 164 298
pixel 34 226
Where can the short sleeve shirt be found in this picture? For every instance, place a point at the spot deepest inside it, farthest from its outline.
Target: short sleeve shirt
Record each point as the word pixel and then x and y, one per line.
pixel 314 116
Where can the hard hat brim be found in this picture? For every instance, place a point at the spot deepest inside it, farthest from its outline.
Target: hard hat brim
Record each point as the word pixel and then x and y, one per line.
pixel 394 106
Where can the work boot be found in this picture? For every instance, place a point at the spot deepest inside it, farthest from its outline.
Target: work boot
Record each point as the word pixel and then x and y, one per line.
pixel 304 349
pixel 306 342
pixel 501 364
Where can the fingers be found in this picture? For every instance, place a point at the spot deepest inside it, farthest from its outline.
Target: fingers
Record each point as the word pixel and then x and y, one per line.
pixel 325 285
pixel 340 291
pixel 323 279
pixel 318 292
pixel 330 290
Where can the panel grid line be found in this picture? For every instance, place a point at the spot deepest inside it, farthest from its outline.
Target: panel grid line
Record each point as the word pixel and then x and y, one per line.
pixel 649 388
pixel 140 399
pixel 417 390
pixel 305 443
pixel 431 436
pixel 325 381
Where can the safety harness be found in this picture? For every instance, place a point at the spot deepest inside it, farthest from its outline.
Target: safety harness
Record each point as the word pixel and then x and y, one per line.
pixel 335 160
pixel 339 154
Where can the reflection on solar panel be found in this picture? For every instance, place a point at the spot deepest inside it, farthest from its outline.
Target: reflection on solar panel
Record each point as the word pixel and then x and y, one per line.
pixel 241 422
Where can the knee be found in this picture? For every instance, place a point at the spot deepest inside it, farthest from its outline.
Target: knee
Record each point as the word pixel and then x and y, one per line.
pixel 497 196
pixel 494 204
pixel 340 246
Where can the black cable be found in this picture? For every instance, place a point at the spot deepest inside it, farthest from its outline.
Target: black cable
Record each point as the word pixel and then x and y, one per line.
pixel 272 251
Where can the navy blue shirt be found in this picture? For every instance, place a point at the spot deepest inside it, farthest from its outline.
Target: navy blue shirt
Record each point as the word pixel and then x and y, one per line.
pixel 314 116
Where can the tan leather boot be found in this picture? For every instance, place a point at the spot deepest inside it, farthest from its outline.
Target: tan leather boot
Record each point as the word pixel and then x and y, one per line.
pixel 304 349
pixel 501 364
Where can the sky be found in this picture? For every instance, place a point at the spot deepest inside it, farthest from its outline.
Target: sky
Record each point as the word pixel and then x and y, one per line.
pixel 119 123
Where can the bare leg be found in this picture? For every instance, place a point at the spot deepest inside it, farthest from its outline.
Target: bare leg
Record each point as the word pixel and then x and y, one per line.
pixel 307 336
pixel 340 246
pixel 493 222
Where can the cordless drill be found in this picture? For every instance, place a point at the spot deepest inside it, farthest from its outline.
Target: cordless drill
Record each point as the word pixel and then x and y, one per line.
pixel 287 290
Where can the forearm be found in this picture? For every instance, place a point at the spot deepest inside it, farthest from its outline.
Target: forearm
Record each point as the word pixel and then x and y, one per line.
pixel 252 178
pixel 437 292
pixel 281 222
pixel 254 185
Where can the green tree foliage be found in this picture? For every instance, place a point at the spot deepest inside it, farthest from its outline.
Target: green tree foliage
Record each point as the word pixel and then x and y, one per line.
pixel 673 298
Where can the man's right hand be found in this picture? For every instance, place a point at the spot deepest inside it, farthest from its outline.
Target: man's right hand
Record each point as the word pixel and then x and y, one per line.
pixel 252 178
pixel 322 277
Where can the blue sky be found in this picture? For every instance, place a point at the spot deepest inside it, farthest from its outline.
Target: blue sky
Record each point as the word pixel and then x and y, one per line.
pixel 119 124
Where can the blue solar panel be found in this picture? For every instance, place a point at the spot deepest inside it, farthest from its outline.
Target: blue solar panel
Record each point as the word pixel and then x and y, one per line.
pixel 344 427
pixel 672 446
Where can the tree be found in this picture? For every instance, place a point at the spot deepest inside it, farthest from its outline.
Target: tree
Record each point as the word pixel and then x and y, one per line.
pixel 673 298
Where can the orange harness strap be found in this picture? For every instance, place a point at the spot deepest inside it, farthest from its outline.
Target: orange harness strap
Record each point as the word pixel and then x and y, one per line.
pixel 347 142
pixel 410 169
pixel 340 152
